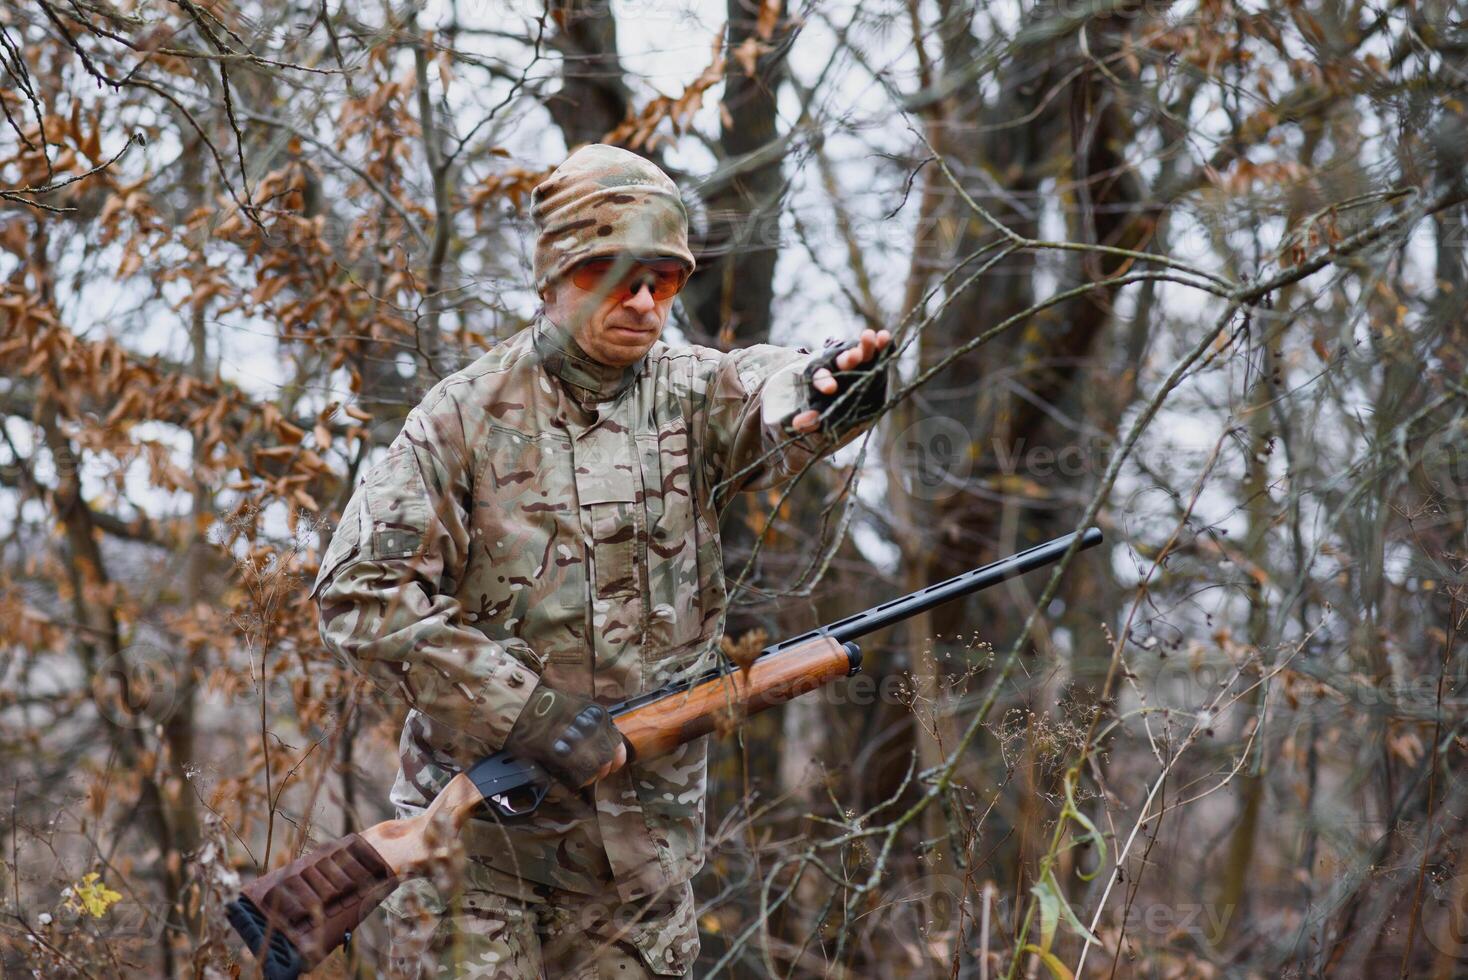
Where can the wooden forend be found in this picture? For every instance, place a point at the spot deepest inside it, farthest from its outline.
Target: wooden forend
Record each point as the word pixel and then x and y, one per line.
pixel 658 728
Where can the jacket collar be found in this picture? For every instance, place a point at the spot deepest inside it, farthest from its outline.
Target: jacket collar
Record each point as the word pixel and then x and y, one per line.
pixel 589 380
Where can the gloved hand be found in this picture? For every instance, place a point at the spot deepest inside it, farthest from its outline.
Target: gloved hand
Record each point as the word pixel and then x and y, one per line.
pixel 848 361
pixel 573 738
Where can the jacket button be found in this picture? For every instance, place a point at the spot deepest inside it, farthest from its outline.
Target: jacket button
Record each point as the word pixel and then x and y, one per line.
pixel 515 680
pixel 672 956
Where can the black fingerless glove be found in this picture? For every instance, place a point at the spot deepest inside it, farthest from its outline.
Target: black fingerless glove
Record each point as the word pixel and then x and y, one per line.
pixel 568 735
pixel 854 406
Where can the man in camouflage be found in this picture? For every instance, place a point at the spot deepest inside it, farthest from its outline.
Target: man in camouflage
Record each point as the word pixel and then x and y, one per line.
pixel 542 539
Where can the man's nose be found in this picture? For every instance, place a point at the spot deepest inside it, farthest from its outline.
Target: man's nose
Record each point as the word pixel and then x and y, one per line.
pixel 641 300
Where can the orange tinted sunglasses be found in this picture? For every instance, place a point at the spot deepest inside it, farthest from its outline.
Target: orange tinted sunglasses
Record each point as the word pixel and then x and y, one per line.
pixel 665 276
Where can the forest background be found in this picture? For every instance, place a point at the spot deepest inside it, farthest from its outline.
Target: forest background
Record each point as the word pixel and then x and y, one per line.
pixel 1190 271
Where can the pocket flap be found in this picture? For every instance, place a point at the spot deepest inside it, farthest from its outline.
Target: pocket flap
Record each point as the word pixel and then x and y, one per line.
pixel 611 484
pixel 607 467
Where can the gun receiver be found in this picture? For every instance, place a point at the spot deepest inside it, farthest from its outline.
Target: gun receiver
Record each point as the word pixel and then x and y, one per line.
pixel 293 917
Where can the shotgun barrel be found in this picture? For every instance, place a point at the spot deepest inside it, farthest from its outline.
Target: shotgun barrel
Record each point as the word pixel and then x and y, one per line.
pixel 896 610
pixel 892 611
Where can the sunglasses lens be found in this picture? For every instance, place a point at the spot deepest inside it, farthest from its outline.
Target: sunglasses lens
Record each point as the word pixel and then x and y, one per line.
pixel 667 278
pixel 664 276
pixel 592 274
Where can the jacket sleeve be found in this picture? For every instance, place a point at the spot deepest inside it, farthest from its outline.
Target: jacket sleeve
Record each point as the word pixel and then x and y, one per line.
pixel 386 588
pixel 751 397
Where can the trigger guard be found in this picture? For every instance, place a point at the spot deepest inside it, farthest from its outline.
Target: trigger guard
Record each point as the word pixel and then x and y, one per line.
pixel 518 802
pixel 511 786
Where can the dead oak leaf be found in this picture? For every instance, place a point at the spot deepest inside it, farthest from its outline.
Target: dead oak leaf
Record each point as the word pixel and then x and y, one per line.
pixel 748 53
pixel 769 15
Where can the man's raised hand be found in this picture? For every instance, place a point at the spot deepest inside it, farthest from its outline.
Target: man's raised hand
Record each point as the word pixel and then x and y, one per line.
pixel 866 349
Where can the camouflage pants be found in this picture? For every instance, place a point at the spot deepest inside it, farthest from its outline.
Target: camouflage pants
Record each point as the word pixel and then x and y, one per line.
pixel 488 936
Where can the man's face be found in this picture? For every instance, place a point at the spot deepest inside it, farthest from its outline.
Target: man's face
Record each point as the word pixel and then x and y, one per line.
pixel 614 314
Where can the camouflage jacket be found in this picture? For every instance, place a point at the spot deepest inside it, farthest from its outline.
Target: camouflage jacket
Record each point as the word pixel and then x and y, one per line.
pixel 544 514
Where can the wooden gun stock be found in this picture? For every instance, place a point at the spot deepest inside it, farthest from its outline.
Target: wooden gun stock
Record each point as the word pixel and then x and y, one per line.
pixel 293 917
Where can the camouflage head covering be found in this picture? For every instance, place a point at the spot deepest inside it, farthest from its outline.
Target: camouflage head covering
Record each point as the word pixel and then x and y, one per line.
pixel 604 200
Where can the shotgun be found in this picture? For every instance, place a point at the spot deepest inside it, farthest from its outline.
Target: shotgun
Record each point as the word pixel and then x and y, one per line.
pixel 293 917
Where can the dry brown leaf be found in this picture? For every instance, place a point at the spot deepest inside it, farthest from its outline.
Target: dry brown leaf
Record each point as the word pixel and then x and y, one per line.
pixel 290 432
pixel 748 54
pixel 744 650
pixel 768 17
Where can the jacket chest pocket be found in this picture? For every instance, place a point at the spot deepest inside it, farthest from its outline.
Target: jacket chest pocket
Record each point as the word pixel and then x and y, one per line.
pixel 527 577
pixel 677 541
pixel 612 519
